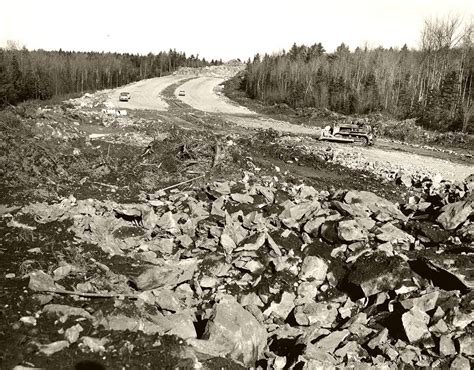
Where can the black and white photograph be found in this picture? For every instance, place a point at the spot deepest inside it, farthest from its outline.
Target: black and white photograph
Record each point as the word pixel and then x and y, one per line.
pixel 247 184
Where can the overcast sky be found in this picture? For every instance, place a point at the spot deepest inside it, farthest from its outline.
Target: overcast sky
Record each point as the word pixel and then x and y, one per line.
pixel 218 28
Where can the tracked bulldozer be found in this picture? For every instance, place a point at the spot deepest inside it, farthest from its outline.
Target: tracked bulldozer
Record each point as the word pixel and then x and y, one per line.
pixel 356 133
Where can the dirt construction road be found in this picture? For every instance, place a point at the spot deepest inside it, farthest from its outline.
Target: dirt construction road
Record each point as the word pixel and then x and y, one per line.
pixel 146 94
pixel 203 94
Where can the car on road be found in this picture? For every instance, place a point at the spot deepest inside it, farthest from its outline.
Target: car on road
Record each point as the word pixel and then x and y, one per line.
pixel 182 93
pixel 124 96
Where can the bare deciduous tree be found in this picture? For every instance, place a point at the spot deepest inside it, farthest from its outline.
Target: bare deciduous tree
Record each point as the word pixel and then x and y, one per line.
pixel 441 33
pixel 14 45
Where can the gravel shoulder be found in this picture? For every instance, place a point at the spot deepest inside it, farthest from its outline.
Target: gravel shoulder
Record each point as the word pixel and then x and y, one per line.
pixel 411 163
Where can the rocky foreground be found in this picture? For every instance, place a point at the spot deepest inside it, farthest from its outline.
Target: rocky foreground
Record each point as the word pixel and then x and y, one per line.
pixel 264 273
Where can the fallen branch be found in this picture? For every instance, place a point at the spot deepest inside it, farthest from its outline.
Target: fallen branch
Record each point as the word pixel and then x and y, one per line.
pixel 193 172
pixel 181 183
pixel 151 164
pixel 12 106
pixel 90 295
pixel 107 185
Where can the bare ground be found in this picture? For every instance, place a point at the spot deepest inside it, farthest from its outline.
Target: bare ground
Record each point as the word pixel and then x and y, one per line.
pixel 170 142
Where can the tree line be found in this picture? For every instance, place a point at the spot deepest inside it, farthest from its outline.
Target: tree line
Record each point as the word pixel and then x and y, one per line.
pixel 40 74
pixel 433 84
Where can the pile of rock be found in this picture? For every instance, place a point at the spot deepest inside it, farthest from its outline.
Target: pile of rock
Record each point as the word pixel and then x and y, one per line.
pixel 224 71
pixel 279 274
pixel 89 100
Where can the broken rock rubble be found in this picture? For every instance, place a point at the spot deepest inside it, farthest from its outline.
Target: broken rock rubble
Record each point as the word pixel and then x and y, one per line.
pixel 332 275
pixel 237 329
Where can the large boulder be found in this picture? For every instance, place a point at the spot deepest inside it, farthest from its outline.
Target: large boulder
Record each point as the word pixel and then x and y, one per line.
pixel 283 308
pixel 351 231
pixel 312 226
pixel 324 314
pixel 425 302
pixel 372 204
pixel 313 268
pixel 293 213
pixel 238 330
pixel 391 233
pixel 378 273
pixel 329 232
pixel 330 342
pixel 454 214
pixel 415 324
pixel 169 274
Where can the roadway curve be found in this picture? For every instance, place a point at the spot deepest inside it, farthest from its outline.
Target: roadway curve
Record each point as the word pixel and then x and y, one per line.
pixel 201 93
pixel 145 94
